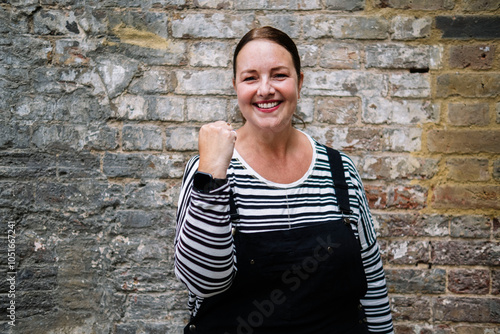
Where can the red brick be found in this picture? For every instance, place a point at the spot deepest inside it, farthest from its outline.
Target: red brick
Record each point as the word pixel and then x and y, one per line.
pixel 469 281
pixel 377 196
pixel 464 114
pixel 495 282
pixel 468 85
pixel 466 197
pixel 408 197
pixel 476 57
pixel 467 310
pixel 496 227
pixel 459 253
pixel 464 141
pixel 411 308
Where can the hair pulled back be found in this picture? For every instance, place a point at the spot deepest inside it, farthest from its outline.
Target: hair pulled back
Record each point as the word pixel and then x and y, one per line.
pixel 271 34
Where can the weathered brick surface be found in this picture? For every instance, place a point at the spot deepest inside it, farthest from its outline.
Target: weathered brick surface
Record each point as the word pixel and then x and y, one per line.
pixel 411 309
pixel 416 281
pixel 416 4
pixel 468 85
pixel 466 253
pixel 460 169
pixel 477 57
pixel 467 309
pixel 480 5
pixel 468 281
pixel 100 111
pixel 410 28
pixel 469 27
pixel 468 196
pixel 464 141
pixel 462 114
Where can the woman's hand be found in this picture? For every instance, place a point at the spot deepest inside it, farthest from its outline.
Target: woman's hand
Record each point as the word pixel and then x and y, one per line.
pixel 216 144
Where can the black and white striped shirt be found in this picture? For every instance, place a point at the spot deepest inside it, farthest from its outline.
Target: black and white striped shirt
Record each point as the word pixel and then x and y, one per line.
pixel 204 250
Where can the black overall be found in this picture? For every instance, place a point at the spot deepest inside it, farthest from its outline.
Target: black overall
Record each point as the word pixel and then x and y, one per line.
pixel 300 281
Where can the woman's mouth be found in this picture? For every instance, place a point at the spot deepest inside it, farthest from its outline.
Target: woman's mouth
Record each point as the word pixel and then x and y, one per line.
pixel 268 106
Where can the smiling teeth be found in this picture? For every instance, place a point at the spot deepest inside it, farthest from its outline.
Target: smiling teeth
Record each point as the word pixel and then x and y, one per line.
pixel 267 105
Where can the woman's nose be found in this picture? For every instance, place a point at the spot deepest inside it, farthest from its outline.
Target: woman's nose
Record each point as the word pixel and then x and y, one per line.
pixel 265 88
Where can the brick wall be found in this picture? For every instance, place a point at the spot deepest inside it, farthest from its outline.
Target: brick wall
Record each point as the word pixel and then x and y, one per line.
pixel 101 103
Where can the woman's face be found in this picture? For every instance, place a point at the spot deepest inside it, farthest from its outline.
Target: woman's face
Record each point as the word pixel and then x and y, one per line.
pixel 267 85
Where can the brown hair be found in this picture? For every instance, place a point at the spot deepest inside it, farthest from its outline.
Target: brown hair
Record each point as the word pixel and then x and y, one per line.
pixel 273 35
pixel 278 37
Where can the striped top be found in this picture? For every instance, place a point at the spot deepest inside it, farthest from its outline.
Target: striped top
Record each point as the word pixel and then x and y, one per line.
pixel 204 250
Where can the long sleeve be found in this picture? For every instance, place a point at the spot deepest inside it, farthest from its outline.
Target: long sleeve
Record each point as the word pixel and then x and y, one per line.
pixel 204 251
pixel 376 300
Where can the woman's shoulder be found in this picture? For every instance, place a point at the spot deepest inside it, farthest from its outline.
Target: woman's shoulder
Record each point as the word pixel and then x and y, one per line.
pixel 322 150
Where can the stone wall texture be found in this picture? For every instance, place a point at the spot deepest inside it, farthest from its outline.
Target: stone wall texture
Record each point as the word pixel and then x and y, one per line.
pixel 100 106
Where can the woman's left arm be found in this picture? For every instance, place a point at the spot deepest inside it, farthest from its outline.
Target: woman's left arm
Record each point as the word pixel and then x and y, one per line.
pixel 376 300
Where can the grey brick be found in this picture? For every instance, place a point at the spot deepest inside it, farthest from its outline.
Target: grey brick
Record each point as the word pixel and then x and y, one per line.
pixel 344 83
pixel 55 22
pixel 146 195
pixel 277 5
pixel 380 110
pixel 216 25
pixel 350 5
pixel 208 82
pixel 402 140
pixel 411 28
pixel 136 165
pixel 213 54
pixel 166 108
pixel 207 109
pixel 413 85
pixel 142 137
pixel 399 56
pixel 182 139
pixel 153 81
pixel 116 72
pixel 58 137
pixel 288 23
pixel 342 27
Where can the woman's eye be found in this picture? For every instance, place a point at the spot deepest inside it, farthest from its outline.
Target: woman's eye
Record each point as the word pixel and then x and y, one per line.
pixel 281 76
pixel 249 79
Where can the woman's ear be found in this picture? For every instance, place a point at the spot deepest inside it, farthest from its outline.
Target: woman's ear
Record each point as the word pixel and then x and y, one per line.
pixel 301 80
pixel 234 84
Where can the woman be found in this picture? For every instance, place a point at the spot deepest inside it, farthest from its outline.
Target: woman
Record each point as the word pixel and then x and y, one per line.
pixel 274 233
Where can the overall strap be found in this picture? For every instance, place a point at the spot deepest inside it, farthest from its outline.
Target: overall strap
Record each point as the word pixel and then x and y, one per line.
pixel 339 181
pixel 233 211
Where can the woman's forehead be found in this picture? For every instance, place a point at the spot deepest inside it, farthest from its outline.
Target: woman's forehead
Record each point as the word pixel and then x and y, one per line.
pixel 261 52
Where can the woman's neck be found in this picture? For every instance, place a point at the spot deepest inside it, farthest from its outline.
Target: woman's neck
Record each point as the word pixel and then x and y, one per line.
pixel 281 157
pixel 268 143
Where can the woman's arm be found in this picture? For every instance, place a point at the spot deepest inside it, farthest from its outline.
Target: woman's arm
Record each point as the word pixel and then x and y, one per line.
pixel 204 252
pixel 376 300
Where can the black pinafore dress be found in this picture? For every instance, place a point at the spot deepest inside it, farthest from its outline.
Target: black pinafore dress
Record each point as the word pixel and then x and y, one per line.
pixel 300 281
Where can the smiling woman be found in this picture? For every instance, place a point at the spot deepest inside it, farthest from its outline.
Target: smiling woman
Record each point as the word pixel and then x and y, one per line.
pixel 274 234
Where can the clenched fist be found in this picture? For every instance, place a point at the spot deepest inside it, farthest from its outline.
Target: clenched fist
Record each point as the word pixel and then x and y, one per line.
pixel 216 144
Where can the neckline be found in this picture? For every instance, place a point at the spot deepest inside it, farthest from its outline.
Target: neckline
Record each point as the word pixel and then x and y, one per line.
pixel 276 184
